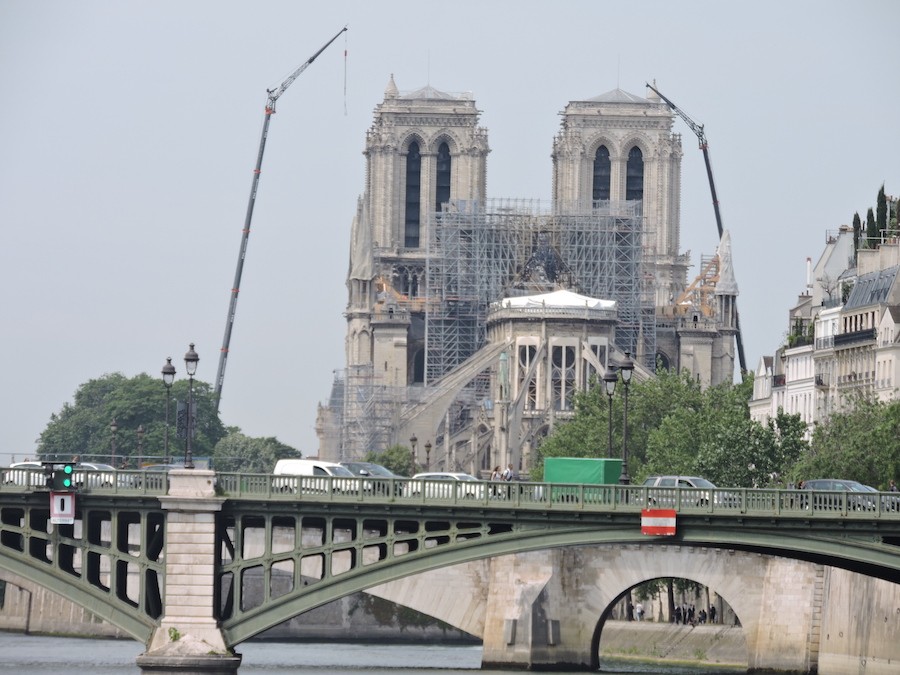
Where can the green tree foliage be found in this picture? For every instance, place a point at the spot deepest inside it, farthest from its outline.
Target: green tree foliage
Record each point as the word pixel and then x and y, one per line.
pixel 861 444
pixel 83 427
pixel 675 428
pixel 857 232
pixel 237 452
pixel 881 220
pixel 871 230
pixel 397 458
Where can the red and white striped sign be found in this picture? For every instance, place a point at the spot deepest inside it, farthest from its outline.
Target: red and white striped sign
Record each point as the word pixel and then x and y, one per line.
pixel 659 522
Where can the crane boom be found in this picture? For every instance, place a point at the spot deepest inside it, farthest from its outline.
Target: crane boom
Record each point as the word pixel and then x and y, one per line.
pixel 704 146
pixel 272 98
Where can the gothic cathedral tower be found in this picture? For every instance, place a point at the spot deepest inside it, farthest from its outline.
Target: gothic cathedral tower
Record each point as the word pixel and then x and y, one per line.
pixel 618 147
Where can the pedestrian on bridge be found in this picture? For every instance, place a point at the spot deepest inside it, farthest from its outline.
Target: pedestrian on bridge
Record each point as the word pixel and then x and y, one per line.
pixel 893 486
pixel 495 477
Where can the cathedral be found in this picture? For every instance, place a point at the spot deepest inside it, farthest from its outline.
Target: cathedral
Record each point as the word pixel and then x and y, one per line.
pixel 472 321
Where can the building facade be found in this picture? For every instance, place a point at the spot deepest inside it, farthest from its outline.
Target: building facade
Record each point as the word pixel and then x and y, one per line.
pixel 843 335
pixel 438 347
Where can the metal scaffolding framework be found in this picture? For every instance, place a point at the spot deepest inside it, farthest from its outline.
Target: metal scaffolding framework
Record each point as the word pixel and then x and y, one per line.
pixel 481 253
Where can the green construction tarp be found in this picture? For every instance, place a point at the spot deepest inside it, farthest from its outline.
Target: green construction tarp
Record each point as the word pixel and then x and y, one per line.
pixel 582 470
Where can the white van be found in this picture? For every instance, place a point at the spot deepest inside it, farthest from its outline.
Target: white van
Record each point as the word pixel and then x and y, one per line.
pixel 313 475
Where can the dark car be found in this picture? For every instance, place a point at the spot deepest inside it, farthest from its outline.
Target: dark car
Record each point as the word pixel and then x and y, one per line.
pixel 381 474
pixel 861 498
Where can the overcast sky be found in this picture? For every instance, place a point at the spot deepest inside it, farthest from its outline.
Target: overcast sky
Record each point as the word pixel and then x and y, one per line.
pixel 129 132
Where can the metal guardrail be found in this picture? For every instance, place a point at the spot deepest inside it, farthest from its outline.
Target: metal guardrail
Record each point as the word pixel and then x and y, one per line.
pixel 120 481
pixel 487 494
pixel 543 496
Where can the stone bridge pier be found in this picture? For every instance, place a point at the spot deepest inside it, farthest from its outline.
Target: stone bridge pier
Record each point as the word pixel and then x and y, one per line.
pixel 188 640
pixel 546 609
pixel 560 599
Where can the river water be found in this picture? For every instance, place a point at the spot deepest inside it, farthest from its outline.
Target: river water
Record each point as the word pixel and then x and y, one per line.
pixel 40 655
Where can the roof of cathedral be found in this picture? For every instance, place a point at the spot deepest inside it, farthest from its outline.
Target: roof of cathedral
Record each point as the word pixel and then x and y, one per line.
pixel 619 96
pixel 561 298
pixel 426 93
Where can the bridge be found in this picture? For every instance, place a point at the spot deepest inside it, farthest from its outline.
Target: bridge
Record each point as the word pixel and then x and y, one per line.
pixel 220 558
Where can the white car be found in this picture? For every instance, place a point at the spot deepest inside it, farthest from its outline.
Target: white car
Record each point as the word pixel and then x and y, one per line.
pixel 445 485
pixel 25 473
pixel 95 475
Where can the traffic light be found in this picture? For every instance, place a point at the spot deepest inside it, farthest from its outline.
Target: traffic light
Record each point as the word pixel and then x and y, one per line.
pixel 63 478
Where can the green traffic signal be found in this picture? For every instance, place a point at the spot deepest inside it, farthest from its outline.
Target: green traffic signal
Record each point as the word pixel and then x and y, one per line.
pixel 63 478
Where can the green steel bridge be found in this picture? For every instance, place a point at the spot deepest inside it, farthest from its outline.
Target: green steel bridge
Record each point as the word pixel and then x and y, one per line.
pixel 284 545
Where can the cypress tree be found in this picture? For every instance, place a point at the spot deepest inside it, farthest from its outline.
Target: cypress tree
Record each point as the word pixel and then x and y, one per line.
pixel 881 211
pixel 871 230
pixel 857 230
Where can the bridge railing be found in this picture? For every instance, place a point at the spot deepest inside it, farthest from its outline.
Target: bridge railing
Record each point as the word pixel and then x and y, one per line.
pixel 94 481
pixel 543 496
pixel 485 494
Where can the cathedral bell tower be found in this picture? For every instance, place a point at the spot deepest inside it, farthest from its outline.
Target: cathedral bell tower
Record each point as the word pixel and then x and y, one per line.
pixel 424 148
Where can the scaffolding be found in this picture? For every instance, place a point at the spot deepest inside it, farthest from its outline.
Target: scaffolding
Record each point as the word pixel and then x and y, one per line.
pixel 480 253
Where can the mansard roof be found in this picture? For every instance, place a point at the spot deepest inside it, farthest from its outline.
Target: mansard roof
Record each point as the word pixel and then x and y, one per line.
pixel 872 288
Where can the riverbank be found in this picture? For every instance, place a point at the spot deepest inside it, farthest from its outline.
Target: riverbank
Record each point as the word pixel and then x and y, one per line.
pixel 708 644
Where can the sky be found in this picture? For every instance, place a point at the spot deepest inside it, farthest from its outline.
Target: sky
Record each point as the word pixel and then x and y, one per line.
pixel 129 132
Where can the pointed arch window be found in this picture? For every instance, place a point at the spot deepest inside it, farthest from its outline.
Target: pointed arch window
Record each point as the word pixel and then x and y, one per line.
pixel 442 191
pixel 413 197
pixel 634 175
pixel 602 173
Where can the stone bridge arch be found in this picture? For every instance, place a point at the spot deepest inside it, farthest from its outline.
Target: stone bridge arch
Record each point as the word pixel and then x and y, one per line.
pixel 562 597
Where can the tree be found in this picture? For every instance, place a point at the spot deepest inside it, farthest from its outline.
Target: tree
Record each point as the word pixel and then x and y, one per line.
pixel 861 444
pixel 881 223
pixel 872 238
pixel 83 427
pixel 237 452
pixel 857 232
pixel 397 458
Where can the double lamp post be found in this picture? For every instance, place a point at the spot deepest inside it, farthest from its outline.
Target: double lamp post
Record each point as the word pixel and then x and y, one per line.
pixel 191 359
pixel 610 378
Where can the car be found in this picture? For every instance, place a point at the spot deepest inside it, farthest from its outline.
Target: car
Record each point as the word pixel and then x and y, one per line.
pixel 95 475
pixel 370 470
pixel 860 499
pixel 27 473
pixel 383 478
pixel 701 491
pixel 314 475
pixel 446 485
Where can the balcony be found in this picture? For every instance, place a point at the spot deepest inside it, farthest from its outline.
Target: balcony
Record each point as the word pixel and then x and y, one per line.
pixel 777 380
pixel 857 336
pixel 823 380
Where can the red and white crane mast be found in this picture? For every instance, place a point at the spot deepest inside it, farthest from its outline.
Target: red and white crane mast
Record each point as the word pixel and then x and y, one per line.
pixel 271 99
pixel 704 146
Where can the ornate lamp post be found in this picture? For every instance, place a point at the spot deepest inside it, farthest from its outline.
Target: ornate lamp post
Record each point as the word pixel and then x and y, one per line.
pixel 168 375
pixel 412 443
pixel 190 367
pixel 627 369
pixel 140 437
pixel 428 455
pixel 113 428
pixel 609 386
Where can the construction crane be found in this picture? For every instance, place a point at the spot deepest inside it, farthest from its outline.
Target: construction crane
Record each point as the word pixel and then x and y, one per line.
pixel 272 98
pixel 704 146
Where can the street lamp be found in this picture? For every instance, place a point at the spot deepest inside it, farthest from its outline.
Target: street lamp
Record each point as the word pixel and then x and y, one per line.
pixel 190 367
pixel 427 455
pixel 412 443
pixel 113 428
pixel 609 385
pixel 140 437
pixel 168 375
pixel 627 369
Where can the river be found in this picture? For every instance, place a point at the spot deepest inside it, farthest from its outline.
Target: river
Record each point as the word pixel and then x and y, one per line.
pixel 42 655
